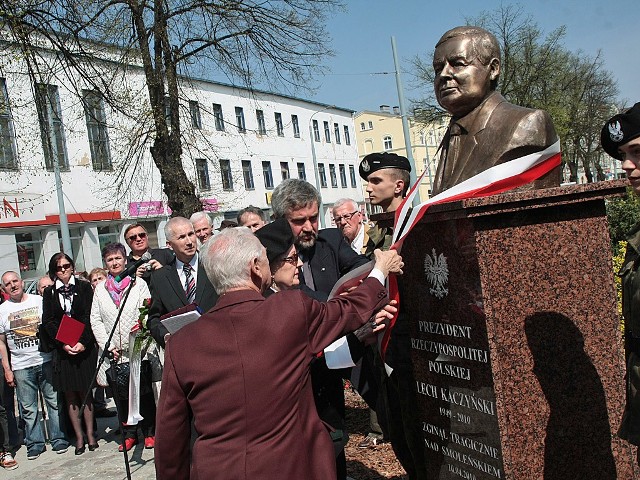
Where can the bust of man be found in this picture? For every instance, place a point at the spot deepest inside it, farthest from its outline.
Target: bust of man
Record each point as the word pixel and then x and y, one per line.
pixel 485 130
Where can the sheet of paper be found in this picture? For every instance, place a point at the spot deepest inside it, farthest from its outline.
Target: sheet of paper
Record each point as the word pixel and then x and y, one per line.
pixel 176 322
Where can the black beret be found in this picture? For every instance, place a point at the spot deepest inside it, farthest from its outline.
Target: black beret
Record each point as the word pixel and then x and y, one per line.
pixel 620 129
pixel 377 161
pixel 227 224
pixel 276 237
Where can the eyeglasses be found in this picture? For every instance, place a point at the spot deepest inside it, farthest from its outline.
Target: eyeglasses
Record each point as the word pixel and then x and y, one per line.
pixel 64 266
pixel 133 237
pixel 292 260
pixel 346 217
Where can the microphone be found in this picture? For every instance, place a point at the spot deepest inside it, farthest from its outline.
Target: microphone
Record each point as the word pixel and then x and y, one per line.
pixel 131 270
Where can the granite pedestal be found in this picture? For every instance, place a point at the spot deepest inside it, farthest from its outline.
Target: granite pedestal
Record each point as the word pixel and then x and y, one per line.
pixel 515 340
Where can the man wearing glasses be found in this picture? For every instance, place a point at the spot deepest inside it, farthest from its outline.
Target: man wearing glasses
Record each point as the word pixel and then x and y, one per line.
pixel 349 219
pixel 136 237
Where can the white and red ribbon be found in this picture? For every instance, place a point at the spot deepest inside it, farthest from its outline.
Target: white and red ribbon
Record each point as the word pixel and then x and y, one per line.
pixel 494 180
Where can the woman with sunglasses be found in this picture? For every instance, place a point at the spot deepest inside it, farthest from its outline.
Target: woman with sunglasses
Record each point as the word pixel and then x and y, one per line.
pixel 277 238
pixel 74 365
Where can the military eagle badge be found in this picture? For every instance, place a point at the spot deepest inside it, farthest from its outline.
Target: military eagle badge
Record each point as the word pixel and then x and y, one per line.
pixel 615 132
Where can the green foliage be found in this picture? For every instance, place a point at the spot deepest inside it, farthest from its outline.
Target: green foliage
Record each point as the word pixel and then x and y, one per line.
pixel 622 214
pixel 618 258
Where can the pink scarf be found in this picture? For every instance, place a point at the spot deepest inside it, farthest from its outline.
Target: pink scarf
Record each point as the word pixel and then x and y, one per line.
pixel 116 289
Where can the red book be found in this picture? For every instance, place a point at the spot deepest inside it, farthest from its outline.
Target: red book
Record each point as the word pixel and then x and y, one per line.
pixel 69 331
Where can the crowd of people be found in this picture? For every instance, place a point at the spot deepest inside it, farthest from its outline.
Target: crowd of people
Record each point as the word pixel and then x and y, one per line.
pixel 201 266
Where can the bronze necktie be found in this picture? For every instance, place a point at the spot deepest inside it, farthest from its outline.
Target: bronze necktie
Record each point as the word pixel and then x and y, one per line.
pixel 452 153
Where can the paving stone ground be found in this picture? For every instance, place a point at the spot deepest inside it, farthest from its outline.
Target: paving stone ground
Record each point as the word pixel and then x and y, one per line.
pixel 105 463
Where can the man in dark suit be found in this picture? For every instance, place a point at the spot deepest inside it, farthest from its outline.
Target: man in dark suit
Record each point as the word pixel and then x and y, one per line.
pixel 182 281
pixel 485 130
pixel 326 256
pixel 241 371
pixel 137 239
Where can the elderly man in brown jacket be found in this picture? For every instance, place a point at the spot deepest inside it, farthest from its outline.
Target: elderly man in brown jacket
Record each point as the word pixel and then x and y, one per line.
pixel 241 371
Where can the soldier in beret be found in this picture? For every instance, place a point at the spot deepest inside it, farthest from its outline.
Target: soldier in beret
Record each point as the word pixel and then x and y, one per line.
pixel 620 138
pixel 387 176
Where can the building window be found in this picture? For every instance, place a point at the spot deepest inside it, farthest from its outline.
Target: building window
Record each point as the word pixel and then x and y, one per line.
pixel 387 143
pixel 336 132
pixel 218 117
pixel 8 157
pixel 108 234
pixel 302 173
pixel 97 130
pixel 247 174
pixel 167 111
pixel 370 125
pixel 332 174
pixel 262 127
pixel 194 110
pixel 240 120
pixel 343 176
pixel 203 174
pixel 30 254
pixel 296 127
pixel 362 127
pixel 327 132
pixel 352 175
pixel 267 175
pixel 284 170
pixel 347 137
pixel 225 172
pixel 51 128
pixel 279 124
pixel 323 175
pixel 316 131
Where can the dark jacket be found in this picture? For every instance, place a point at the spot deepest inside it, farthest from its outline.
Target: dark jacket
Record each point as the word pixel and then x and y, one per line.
pixel 167 295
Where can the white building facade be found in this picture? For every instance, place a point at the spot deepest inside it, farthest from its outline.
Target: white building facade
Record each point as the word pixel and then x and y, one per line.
pixel 238 146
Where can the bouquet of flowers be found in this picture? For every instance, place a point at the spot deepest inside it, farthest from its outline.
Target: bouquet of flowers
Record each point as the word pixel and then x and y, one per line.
pixel 142 334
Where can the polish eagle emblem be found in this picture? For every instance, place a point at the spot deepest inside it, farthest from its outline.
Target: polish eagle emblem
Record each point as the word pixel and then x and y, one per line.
pixel 437 273
pixel 615 132
pixel 365 166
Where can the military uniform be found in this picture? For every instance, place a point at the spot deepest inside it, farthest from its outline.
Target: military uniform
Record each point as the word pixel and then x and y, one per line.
pixel 630 275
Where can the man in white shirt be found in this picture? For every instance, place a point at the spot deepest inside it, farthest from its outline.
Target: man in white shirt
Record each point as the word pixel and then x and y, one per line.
pixel 30 370
pixel 181 282
pixel 350 221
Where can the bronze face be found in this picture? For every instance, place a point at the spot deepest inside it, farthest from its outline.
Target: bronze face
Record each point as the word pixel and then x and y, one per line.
pixel 462 82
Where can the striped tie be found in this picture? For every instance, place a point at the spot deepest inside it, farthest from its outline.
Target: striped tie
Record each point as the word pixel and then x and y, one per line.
pixel 189 283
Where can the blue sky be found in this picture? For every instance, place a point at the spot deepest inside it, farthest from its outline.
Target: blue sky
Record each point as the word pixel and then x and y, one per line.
pixel 361 38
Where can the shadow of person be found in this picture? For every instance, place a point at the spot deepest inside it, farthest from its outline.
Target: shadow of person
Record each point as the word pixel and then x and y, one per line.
pixel 578 435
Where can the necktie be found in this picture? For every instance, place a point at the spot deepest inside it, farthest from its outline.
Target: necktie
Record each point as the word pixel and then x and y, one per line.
pixel 189 283
pixel 308 277
pixel 448 157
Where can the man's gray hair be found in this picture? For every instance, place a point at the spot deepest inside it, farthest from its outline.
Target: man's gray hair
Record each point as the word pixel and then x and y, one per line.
pixel 8 272
pixel 168 228
pixel 250 209
pixel 293 194
pixel 227 256
pixel 344 201
pixel 196 217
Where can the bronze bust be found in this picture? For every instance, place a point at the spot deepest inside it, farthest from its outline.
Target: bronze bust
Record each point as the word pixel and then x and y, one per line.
pixel 485 130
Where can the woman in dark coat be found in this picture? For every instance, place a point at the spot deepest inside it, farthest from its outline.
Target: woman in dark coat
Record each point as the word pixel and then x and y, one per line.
pixel 74 365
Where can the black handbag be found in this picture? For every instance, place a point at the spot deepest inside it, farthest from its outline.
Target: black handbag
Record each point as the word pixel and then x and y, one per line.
pixel 119 379
pixel 45 343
